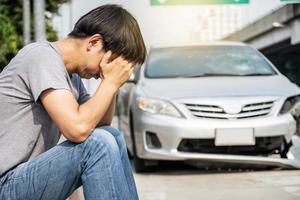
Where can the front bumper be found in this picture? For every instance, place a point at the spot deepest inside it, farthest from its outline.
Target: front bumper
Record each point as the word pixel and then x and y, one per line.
pixel 171 131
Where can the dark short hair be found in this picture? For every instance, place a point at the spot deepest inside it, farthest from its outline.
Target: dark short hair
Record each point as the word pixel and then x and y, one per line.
pixel 119 29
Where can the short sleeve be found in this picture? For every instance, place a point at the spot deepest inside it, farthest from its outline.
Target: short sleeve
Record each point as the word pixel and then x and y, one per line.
pixel 83 95
pixel 46 71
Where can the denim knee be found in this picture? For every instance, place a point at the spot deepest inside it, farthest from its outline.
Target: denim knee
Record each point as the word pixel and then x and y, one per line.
pixel 115 132
pixel 119 136
pixel 102 140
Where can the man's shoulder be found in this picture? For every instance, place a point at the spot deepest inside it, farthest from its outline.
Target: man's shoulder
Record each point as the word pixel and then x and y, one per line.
pixel 38 49
pixel 39 55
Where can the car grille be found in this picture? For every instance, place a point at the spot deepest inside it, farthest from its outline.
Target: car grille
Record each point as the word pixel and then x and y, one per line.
pixel 216 112
pixel 263 146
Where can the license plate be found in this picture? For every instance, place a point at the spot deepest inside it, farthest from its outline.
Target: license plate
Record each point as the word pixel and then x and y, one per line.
pixel 235 137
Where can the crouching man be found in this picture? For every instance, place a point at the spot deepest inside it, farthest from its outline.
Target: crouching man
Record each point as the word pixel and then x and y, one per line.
pixel 42 95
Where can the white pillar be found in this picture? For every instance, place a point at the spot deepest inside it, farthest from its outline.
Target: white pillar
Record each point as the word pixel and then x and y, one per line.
pixel 26 21
pixel 39 20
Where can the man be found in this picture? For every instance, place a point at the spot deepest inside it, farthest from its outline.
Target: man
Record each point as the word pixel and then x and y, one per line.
pixel 41 96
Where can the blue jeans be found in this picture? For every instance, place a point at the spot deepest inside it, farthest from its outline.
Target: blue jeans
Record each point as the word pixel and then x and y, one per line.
pixel 100 165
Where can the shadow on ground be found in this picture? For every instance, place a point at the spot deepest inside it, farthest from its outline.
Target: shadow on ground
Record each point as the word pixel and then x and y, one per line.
pixel 197 167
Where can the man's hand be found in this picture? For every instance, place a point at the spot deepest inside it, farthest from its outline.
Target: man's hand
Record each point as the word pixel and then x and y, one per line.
pixel 116 72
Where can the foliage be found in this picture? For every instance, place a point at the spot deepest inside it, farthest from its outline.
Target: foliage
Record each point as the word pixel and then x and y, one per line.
pixel 11 26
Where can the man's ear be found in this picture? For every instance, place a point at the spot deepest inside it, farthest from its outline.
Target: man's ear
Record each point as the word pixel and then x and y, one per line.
pixel 95 41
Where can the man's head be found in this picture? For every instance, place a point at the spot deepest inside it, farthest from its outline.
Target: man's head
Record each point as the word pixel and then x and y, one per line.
pixel 110 27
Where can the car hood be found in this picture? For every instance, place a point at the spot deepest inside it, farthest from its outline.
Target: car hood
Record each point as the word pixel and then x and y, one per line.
pixel 219 87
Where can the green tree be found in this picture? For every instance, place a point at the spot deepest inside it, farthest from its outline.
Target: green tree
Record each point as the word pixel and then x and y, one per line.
pixel 11 26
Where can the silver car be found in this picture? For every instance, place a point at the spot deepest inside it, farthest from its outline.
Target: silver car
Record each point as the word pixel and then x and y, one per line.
pixel 217 102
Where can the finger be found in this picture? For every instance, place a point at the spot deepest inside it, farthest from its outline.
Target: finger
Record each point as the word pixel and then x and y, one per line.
pixel 131 71
pixel 122 59
pixel 119 59
pixel 105 58
pixel 131 64
pixel 101 75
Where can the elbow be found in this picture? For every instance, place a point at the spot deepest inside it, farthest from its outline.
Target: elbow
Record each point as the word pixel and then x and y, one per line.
pixel 78 133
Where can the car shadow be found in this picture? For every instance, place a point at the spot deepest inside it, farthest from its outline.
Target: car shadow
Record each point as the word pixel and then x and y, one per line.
pixel 178 168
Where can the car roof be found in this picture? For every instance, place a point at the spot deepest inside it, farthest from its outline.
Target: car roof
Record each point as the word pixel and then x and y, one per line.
pixel 214 43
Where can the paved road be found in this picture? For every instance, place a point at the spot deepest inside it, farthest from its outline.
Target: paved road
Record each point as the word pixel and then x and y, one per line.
pixel 191 184
pixel 183 182
pixel 278 185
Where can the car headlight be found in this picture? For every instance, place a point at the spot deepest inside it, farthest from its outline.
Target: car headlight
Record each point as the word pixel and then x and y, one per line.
pixel 289 104
pixel 157 106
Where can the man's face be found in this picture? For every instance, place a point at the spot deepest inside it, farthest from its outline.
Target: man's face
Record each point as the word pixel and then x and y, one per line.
pixel 94 53
pixel 92 68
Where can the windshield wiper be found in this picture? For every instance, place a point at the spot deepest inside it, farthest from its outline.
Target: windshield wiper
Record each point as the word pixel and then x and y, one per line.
pixel 218 74
pixel 258 74
pixel 223 74
pixel 208 74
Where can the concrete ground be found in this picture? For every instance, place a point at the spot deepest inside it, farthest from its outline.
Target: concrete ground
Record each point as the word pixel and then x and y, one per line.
pixel 195 185
pixel 183 182
pixel 179 181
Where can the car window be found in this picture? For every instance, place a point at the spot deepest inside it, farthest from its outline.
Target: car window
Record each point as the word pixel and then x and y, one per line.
pixel 206 61
pixel 137 71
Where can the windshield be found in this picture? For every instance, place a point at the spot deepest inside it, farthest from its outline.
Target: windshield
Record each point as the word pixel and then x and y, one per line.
pixel 206 61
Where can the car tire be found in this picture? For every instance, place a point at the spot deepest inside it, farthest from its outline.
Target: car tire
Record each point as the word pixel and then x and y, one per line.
pixel 287 146
pixel 138 163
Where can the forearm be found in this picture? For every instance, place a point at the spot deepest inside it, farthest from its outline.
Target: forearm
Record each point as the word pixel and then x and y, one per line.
pixel 108 117
pixel 99 108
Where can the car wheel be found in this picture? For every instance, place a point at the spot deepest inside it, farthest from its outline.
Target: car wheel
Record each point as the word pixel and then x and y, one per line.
pixel 287 146
pixel 138 163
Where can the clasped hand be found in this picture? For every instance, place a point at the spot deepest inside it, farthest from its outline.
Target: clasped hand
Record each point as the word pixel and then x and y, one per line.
pixel 116 72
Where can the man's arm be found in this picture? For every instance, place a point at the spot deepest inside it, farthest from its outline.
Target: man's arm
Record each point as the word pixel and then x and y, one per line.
pixel 108 117
pixel 75 121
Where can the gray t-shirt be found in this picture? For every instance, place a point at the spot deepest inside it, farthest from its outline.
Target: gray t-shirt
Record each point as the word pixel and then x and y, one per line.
pixel 26 130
